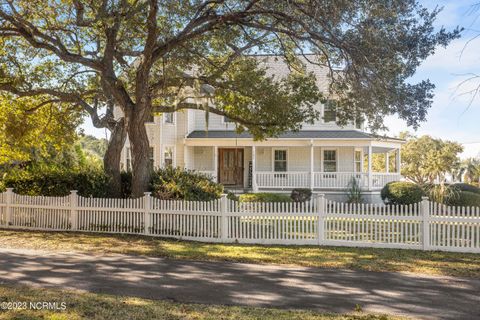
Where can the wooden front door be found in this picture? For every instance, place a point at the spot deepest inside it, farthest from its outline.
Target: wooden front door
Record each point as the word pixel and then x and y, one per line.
pixel 230 166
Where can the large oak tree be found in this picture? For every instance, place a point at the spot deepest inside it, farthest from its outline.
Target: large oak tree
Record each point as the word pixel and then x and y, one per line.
pixel 163 56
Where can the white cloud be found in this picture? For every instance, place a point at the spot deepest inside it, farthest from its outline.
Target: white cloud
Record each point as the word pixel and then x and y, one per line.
pixel 459 57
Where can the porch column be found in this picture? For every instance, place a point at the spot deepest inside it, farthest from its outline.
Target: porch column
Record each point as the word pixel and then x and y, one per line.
pixel 387 162
pixel 254 170
pixel 370 167
pixel 398 161
pixel 215 163
pixel 186 157
pixel 312 177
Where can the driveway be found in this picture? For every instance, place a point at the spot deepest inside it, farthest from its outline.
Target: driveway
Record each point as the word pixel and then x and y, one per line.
pixel 325 290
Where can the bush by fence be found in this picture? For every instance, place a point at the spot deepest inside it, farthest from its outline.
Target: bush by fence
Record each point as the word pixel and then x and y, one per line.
pixel 401 192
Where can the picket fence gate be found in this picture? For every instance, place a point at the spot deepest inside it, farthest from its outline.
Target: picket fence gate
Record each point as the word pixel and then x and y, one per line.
pixel 425 225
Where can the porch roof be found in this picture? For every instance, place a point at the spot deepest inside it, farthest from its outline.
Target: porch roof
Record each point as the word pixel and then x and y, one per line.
pixel 304 134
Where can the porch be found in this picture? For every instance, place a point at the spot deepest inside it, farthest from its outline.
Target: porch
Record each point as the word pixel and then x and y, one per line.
pixel 276 165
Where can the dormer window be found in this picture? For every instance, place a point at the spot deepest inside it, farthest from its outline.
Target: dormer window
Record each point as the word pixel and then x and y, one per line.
pixel 169 117
pixel 329 112
pixel 227 120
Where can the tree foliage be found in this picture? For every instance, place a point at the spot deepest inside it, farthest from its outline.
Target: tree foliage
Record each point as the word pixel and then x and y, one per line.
pixel 426 159
pixel 162 56
pixel 31 134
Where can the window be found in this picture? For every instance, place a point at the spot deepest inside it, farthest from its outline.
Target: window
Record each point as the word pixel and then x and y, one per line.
pixel 168 156
pixel 329 113
pixel 358 161
pixel 280 161
pixel 169 117
pixel 227 120
pixel 129 160
pixel 330 161
pixel 151 157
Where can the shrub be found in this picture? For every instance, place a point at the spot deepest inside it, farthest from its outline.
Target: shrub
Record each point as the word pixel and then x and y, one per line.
pixel 400 192
pixel 466 199
pixel 466 187
pixel 301 195
pixel 354 192
pixel 264 197
pixel 176 183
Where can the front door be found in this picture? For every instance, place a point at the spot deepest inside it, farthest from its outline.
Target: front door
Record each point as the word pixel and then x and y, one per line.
pixel 230 166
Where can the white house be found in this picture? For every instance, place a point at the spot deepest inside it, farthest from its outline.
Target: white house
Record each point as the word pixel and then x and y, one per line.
pixel 323 157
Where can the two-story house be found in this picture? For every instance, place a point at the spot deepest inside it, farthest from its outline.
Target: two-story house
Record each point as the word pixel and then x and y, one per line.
pixel 321 156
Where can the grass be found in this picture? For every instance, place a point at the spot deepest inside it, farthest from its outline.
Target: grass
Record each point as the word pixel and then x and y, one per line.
pixel 373 259
pixel 81 305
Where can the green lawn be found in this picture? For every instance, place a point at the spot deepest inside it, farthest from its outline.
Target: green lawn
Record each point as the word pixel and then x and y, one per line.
pixel 98 306
pixel 440 263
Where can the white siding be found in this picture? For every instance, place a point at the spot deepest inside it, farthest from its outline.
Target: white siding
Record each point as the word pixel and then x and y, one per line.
pixel 278 68
pixel 203 158
pixel 298 158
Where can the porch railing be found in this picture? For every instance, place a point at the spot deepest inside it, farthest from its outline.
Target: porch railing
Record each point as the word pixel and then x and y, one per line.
pixel 322 180
pixel 283 179
pixel 381 179
pixel 338 180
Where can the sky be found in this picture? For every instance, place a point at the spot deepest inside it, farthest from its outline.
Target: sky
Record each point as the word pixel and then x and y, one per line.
pixel 454 114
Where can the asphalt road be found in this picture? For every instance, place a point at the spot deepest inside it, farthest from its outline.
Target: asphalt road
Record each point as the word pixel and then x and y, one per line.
pixel 327 290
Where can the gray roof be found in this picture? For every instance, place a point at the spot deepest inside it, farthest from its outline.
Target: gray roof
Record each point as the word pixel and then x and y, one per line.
pixel 304 134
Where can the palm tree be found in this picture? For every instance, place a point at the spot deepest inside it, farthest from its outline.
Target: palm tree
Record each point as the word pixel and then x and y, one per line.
pixel 471 170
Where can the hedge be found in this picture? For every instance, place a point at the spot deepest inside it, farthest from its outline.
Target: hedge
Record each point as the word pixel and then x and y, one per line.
pixel 57 183
pixel 264 197
pixel 465 199
pixel 400 192
pixel 466 187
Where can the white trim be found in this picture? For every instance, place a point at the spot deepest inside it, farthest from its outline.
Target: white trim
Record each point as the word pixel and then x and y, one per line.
pixel 273 158
pixel 336 158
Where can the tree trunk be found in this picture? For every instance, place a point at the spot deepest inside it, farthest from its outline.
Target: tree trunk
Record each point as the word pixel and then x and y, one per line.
pixel 111 160
pixel 140 146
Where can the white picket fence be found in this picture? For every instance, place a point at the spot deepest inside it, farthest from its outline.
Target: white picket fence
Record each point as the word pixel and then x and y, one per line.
pixel 425 225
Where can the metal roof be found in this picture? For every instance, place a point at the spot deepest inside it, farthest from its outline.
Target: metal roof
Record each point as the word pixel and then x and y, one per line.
pixel 304 134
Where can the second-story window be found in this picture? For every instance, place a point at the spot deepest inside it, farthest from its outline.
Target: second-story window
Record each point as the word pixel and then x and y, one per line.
pixel 227 120
pixel 169 117
pixel 168 157
pixel 329 113
pixel 151 157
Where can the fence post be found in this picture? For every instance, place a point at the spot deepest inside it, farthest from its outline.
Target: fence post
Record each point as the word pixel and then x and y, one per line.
pixel 73 210
pixel 8 213
pixel 321 207
pixel 147 217
pixel 425 210
pixel 223 218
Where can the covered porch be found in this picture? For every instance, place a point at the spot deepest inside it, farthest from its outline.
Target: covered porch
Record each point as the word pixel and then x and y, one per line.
pixel 284 164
